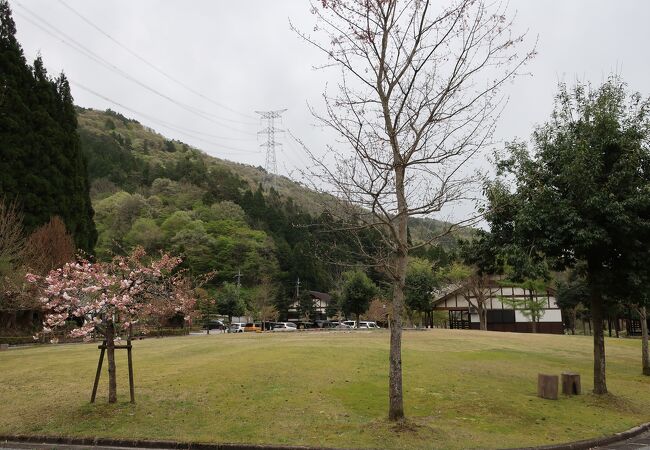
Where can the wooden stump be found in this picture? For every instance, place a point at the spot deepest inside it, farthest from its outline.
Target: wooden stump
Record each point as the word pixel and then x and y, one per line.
pixel 547 386
pixel 571 383
pixel 4 347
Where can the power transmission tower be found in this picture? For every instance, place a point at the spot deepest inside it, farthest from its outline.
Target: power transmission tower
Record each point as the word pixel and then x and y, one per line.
pixel 271 165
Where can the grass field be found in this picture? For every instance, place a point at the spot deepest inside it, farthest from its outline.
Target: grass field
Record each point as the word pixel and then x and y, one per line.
pixel 461 388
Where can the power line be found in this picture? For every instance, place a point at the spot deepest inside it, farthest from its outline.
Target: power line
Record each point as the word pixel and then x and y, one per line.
pixel 153 66
pixel 71 42
pixel 177 128
pixel 270 144
pixel 299 153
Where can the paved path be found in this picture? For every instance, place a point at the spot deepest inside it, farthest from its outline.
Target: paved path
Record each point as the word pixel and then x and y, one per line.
pixel 22 446
pixel 640 442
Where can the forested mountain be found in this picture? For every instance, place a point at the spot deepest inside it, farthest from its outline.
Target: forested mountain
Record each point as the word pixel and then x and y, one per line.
pixel 163 194
pixel 41 165
pixel 220 215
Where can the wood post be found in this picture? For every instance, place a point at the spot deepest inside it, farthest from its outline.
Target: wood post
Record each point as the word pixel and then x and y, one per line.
pixel 547 386
pixel 102 347
pixel 99 372
pixel 571 383
pixel 130 360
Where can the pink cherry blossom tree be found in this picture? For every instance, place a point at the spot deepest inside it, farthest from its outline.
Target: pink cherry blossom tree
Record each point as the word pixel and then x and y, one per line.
pixel 105 299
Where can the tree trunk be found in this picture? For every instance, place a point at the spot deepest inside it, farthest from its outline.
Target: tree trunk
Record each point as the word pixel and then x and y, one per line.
pixel 482 315
pixel 395 398
pixel 395 394
pixel 600 384
pixel 533 314
pixel 574 317
pixel 358 318
pixel 609 326
pixel 645 357
pixel 110 353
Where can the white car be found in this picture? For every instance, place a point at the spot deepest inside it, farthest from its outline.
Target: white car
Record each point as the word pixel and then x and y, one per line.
pixel 284 326
pixel 237 327
pixel 369 325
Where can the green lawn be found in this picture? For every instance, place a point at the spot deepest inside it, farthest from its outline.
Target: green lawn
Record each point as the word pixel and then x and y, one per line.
pixel 462 389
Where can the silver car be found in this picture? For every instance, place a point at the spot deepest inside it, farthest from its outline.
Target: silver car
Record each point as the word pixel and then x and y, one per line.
pixel 285 326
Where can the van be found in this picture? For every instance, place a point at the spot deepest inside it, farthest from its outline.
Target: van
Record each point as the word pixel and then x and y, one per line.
pixel 368 325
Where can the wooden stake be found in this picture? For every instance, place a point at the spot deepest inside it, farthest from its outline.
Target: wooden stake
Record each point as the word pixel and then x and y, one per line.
pixel 130 360
pixel 99 372
pixel 128 348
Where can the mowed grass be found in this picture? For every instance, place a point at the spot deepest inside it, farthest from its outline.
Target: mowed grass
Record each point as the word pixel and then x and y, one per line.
pixel 462 389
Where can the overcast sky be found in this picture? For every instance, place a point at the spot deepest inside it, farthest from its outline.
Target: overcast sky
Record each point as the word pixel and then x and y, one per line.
pixel 243 55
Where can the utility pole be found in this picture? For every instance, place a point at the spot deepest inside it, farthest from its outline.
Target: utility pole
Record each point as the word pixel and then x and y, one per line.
pixel 298 287
pixel 238 276
pixel 271 165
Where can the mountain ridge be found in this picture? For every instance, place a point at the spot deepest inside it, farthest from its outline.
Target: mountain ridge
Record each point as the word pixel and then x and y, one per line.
pixel 148 145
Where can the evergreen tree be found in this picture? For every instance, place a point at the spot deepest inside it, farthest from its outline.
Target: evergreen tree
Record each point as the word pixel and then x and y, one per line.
pixel 41 162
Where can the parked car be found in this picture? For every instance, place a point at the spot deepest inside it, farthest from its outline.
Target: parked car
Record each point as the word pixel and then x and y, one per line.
pixel 342 326
pixel 252 327
pixel 368 325
pixel 351 323
pixel 237 327
pixel 284 326
pixel 214 325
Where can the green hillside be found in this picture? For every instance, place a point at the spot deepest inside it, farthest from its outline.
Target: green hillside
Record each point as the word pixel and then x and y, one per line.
pixel 139 144
pixel 220 215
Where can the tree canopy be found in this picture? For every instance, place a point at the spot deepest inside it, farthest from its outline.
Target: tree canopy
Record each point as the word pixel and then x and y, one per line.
pixel 356 292
pixel 583 194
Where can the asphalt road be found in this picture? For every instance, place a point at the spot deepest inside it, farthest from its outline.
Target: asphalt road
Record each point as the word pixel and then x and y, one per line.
pixel 640 442
pixel 21 446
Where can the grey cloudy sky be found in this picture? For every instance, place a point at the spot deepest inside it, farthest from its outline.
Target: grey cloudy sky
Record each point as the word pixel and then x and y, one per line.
pixel 242 54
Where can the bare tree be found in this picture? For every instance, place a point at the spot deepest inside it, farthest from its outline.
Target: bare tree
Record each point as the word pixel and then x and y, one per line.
pixel 262 306
pixel 12 242
pixel 49 247
pixel 479 285
pixel 481 288
pixel 418 99
pixel 12 249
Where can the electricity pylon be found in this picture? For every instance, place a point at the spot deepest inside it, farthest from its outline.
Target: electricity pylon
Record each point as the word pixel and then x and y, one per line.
pixel 271 165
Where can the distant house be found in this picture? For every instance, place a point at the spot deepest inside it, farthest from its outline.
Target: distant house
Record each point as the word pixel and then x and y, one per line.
pixel 321 302
pixel 460 305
